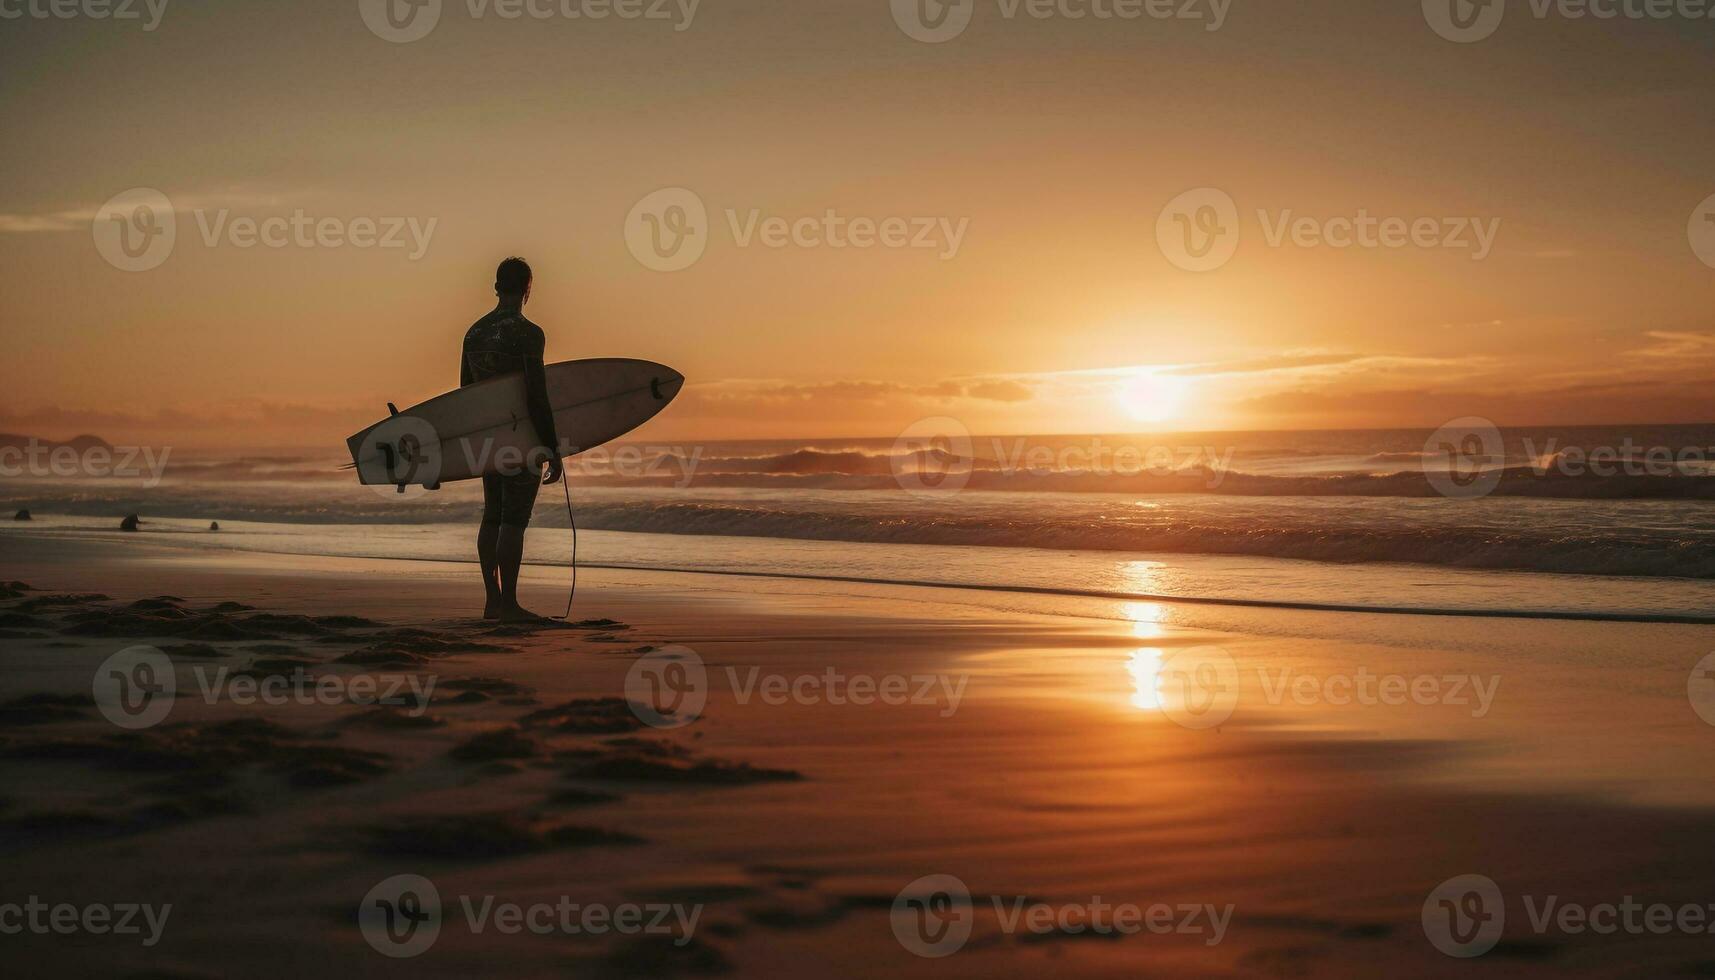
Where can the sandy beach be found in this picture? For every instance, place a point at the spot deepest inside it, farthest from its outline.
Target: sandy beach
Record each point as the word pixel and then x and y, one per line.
pixel 853 740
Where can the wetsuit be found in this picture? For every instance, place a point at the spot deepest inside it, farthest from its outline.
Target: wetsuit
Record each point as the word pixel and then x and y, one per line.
pixel 504 342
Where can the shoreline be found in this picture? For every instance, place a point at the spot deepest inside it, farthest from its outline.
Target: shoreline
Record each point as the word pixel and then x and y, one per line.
pixel 1058 774
pixel 1469 585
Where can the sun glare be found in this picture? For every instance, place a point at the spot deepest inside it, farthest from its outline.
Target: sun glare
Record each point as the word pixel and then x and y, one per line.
pixel 1153 398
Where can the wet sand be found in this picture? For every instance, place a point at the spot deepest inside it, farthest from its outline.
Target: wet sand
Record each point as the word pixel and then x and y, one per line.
pixel 1042 754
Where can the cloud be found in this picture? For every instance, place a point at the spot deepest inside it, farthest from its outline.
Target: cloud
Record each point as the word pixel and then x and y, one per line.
pixel 55 221
pixel 234 423
pixel 80 218
pixel 1000 391
pixel 1676 345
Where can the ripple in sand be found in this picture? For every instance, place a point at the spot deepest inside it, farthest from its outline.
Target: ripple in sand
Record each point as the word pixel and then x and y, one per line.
pixel 482 837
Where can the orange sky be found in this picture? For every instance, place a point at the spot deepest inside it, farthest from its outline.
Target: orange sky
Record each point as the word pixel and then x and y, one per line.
pixel 1053 145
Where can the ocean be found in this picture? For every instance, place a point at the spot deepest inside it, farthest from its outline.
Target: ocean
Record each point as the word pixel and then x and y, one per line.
pixel 1600 522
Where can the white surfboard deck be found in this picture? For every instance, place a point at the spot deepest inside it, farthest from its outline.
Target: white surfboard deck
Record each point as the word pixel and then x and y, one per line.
pixel 481 428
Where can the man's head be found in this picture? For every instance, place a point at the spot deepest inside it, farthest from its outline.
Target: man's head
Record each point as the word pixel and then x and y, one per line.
pixel 512 280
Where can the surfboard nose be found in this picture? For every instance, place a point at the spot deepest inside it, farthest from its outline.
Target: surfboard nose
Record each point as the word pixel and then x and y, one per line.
pixel 664 382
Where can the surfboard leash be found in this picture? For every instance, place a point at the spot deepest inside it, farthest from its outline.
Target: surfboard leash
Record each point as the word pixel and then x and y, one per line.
pixel 565 484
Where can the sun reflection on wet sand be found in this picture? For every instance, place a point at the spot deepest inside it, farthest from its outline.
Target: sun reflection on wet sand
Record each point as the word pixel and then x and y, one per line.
pixel 1145 669
pixel 1144 666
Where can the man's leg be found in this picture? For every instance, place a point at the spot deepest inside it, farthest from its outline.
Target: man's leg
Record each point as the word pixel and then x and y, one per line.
pixel 487 545
pixel 487 555
pixel 519 499
pixel 511 556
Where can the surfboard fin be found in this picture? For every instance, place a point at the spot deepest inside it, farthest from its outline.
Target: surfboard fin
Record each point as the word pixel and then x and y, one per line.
pixel 392 409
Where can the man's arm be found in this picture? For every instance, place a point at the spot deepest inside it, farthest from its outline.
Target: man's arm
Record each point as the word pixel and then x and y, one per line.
pixel 464 370
pixel 536 399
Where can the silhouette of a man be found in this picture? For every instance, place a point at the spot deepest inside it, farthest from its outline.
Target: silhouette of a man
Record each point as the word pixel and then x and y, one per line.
pixel 504 342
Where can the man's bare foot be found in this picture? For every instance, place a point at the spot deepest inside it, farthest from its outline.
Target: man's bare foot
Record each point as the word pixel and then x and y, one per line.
pixel 491 609
pixel 518 614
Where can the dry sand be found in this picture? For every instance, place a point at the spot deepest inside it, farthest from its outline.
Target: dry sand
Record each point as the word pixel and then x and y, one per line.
pixel 1059 775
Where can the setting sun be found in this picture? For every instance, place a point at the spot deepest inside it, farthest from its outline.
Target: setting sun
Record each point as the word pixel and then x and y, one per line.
pixel 1153 397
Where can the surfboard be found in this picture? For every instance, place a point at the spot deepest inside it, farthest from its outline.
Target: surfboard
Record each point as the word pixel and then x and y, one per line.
pixel 485 427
